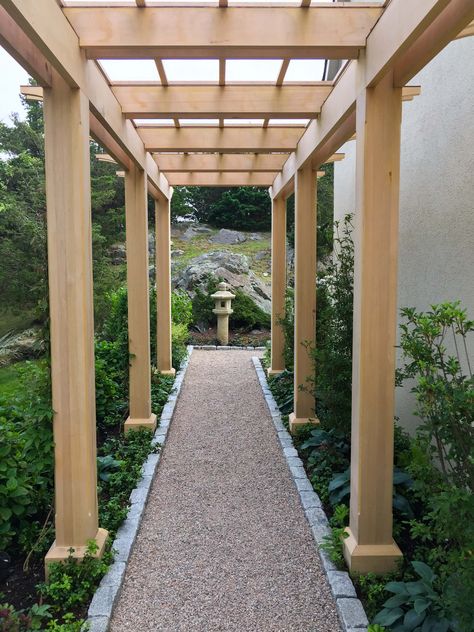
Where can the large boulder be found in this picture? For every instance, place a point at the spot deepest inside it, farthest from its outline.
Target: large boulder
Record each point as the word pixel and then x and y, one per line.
pixel 232 267
pixel 195 231
pixel 226 236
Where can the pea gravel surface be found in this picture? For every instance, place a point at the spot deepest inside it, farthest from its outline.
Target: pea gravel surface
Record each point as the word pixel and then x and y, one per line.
pixel 224 543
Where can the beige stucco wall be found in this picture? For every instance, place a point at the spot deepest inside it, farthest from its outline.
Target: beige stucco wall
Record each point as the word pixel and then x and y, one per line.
pixel 436 260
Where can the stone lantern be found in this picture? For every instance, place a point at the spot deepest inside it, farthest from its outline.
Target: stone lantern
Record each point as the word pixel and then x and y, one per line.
pixel 223 299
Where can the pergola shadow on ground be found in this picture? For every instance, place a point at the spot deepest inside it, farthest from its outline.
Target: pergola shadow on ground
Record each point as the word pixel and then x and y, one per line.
pixel 291 130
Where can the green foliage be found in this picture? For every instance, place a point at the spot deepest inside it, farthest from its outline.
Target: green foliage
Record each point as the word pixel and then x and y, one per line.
pixel 333 354
pixel 371 588
pixel 281 387
pixel 35 618
pixel 247 315
pixel 332 543
pixel 120 459
pixel 179 340
pixel 416 606
pixel 325 213
pixel 26 456
pixel 339 490
pixel 242 208
pixel 72 584
pixel 23 218
pixel 444 386
pixel 181 308
pixel 325 452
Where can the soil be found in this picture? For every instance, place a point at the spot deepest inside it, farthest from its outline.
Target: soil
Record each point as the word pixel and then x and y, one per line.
pixel 19 588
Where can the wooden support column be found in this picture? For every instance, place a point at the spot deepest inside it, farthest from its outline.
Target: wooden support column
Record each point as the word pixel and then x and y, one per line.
pixel 163 287
pixel 305 296
pixel 66 115
pixel 136 218
pixel 370 546
pixel 278 284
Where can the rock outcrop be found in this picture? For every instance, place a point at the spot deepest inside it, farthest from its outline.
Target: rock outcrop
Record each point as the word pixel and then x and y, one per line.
pixel 233 268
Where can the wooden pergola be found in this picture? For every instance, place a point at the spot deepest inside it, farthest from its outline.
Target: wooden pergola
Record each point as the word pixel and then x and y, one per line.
pixel 289 129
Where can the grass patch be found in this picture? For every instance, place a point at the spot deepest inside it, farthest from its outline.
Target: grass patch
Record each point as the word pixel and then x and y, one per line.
pixel 10 379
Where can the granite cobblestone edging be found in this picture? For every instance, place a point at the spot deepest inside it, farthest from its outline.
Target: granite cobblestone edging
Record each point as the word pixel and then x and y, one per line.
pixel 100 609
pixel 349 607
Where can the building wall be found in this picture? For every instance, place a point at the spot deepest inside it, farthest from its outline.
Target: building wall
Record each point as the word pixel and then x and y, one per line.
pixel 436 244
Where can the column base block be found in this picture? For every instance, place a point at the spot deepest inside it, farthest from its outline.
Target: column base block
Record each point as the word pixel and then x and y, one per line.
pixel 61 553
pixel 136 424
pixel 297 422
pixel 168 372
pixel 370 558
pixel 271 372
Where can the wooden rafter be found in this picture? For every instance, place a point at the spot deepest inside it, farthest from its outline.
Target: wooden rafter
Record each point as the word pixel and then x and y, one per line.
pixel 224 179
pixel 334 31
pixel 230 101
pixel 222 72
pixel 227 140
pixel 170 163
pixel 161 72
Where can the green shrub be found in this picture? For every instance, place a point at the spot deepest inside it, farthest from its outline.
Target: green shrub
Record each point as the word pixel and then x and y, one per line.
pixel 181 308
pixel 26 457
pixel 415 605
pixel 179 340
pixel 444 386
pixel 127 454
pixel 247 315
pixel 72 584
pixel 333 353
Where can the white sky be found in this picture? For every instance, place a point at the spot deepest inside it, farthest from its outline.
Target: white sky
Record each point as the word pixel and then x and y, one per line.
pixel 12 76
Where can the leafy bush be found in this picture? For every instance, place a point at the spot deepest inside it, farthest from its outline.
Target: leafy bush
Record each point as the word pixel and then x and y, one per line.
pixel 179 340
pixel 71 584
pixel 26 457
pixel 333 353
pixel 416 606
pixel 181 308
pixel 120 461
pixel 444 386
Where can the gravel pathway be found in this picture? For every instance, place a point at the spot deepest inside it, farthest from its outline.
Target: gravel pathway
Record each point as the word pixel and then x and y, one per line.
pixel 224 543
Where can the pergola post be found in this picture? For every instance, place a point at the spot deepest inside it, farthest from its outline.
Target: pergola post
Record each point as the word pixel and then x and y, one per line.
pixel 278 284
pixel 369 546
pixel 305 297
pixel 163 287
pixel 136 218
pixel 66 115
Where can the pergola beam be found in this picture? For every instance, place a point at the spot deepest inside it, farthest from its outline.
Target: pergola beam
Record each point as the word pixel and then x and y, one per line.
pixel 401 26
pixel 214 139
pixel 175 163
pixel 332 31
pixel 46 28
pixel 230 101
pixel 224 179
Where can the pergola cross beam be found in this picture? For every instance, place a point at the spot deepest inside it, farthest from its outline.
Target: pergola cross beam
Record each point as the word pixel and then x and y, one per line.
pixel 328 31
pixel 229 101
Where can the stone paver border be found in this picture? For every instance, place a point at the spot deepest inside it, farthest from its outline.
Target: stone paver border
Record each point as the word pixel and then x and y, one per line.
pixel 349 607
pixel 100 609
